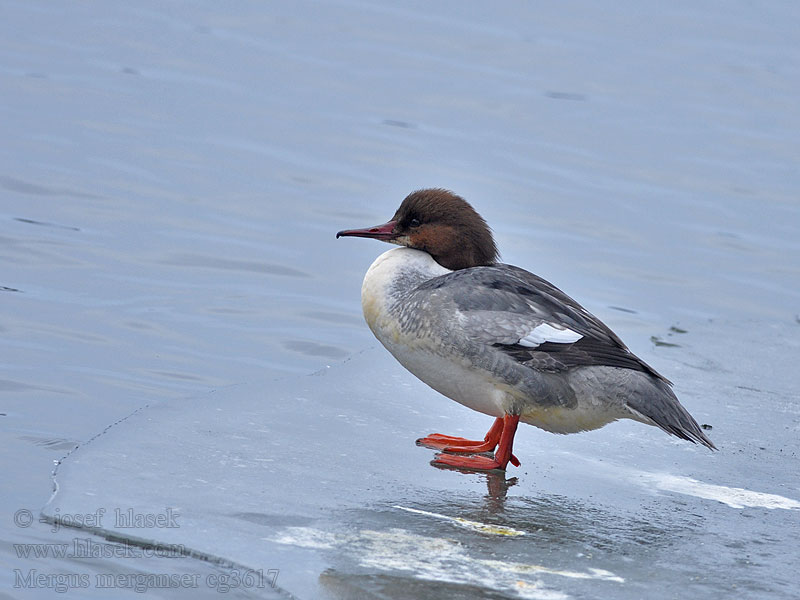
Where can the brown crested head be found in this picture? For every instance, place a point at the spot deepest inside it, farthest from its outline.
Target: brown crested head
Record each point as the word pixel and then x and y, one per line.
pixel 442 224
pixel 447 227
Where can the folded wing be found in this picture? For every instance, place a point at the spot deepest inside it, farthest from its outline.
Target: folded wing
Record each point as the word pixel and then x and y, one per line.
pixel 525 317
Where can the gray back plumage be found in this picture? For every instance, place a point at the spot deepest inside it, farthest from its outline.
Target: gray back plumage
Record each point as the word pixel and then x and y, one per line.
pixel 485 312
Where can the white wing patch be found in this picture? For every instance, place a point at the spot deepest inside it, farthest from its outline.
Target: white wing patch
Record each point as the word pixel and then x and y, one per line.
pixel 547 333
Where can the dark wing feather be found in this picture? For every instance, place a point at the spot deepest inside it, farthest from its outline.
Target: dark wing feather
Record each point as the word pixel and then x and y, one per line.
pixel 585 352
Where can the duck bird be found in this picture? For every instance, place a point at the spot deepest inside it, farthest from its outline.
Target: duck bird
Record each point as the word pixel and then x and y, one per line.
pixel 499 339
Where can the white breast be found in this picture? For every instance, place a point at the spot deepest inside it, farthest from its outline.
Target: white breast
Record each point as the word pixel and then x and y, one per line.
pixel 393 274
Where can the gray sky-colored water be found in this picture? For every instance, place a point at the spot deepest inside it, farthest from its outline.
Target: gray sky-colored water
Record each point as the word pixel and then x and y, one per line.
pixel 171 179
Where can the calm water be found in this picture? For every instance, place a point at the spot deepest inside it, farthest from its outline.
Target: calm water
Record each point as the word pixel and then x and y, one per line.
pixel 172 177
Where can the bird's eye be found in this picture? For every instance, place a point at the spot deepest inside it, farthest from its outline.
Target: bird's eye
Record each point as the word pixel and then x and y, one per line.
pixel 414 223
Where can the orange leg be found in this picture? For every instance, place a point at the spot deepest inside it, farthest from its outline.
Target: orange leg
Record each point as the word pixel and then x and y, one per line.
pixel 501 435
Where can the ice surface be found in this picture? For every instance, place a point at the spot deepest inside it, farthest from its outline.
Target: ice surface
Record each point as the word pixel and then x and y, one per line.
pixel 319 478
pixel 171 177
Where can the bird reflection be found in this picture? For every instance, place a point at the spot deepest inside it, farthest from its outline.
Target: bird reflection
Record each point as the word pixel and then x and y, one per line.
pixel 497 485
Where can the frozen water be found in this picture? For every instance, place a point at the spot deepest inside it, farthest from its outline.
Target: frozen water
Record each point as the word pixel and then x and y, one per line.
pixel 318 477
pixel 171 178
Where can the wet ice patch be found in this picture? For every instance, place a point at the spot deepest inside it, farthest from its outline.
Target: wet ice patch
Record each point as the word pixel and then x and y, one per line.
pixel 308 537
pixel 520 568
pixel 439 559
pixel 732 496
pixel 445 560
pixel 473 525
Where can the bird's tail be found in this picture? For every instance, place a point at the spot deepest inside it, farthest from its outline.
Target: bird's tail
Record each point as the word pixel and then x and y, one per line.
pixel 662 409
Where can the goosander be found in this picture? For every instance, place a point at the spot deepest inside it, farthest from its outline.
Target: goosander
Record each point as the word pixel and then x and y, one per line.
pixel 499 339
